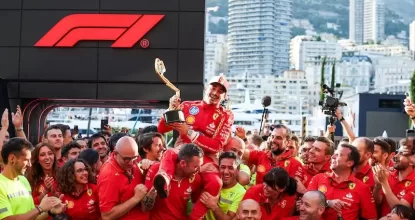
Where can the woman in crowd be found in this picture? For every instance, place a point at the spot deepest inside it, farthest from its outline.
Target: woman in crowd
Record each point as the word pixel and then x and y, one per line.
pixel 276 195
pixel 42 174
pixel 400 212
pixel 91 157
pixel 79 193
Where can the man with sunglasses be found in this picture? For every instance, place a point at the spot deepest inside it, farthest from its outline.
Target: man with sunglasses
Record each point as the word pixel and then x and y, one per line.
pixel 346 196
pixel 121 184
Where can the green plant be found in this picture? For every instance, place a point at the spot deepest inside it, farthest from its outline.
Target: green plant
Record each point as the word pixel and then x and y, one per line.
pixel 323 64
pixel 333 74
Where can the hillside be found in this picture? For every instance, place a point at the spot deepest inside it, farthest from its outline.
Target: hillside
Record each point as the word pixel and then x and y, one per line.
pixel 321 12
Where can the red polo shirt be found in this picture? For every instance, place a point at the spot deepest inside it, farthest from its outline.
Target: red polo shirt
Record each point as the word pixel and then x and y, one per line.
pixel 352 191
pixel 265 162
pixel 175 205
pixel 294 218
pixel 115 187
pixel 36 191
pixel 85 206
pixel 401 189
pixel 283 208
pixel 366 176
pixel 310 172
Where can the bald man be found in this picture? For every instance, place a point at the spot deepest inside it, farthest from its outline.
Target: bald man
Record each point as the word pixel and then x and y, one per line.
pixel 237 145
pixel 249 209
pixel 121 183
pixel 312 207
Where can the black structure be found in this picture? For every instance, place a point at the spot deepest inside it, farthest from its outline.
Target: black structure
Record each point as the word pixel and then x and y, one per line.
pixel 92 73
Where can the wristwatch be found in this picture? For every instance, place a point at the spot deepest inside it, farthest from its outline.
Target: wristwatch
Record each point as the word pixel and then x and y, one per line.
pixel 342 119
pixel 192 135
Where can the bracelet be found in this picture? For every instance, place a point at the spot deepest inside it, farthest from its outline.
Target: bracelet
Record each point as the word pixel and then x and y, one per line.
pixel 413 117
pixel 342 119
pixel 245 139
pixel 19 129
pixel 39 209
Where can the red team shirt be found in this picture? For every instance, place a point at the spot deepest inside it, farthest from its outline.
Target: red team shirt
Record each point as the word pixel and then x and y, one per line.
pixel 401 189
pixel 115 187
pixel 38 190
pixel 265 162
pixel 352 191
pixel 366 176
pixel 284 208
pixel 175 205
pixel 310 172
pixel 77 206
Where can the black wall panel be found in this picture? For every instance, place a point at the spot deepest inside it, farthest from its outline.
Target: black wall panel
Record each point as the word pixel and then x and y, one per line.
pixel 10 28
pixel 9 62
pixel 144 5
pixel 57 90
pixel 192 5
pixel 61 4
pixel 10 4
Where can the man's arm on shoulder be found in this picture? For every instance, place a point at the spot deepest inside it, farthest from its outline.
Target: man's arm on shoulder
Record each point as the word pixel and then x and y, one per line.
pixel 150 199
pixel 220 137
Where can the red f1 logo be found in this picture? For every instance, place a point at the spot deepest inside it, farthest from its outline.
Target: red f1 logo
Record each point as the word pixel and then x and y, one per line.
pixel 125 29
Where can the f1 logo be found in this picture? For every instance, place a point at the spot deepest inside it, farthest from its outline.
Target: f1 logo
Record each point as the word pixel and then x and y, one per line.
pixel 125 29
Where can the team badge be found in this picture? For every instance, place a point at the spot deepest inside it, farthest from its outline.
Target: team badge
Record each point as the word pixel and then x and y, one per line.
pixel 190 119
pixel 215 116
pixel 69 204
pixel 402 193
pixel 261 168
pixel 408 183
pixel 194 110
pixel 286 163
pixel 365 179
pixel 352 185
pixel 322 189
pixel 283 203
pixel 349 195
pixel 89 192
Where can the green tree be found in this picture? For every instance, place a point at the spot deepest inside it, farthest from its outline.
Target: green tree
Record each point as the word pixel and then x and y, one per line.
pixel 333 74
pixel 323 64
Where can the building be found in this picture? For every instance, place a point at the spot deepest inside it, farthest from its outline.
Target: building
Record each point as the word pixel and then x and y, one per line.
pixel 259 35
pixel 304 47
pixel 393 74
pixel 215 55
pixel 374 21
pixel 289 92
pixel 356 21
pixel 412 36
pixel 376 50
pixel 366 21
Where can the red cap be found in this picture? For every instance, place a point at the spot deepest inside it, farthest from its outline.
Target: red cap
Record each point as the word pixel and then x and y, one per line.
pixel 220 80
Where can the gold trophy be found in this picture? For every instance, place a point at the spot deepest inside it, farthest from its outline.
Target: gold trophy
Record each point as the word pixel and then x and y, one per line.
pixel 172 115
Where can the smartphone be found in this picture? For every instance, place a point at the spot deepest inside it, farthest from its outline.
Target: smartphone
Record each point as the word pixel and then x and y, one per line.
pixel 410 137
pixel 103 123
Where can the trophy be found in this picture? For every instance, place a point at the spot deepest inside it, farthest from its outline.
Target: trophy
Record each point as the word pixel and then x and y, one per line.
pixel 172 115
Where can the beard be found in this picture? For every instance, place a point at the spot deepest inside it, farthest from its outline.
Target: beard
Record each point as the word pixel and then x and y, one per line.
pixel 277 151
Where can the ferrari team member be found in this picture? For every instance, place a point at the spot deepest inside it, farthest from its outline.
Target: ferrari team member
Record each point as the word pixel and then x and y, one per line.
pixel 312 206
pixel 249 209
pixel 278 155
pixel 185 185
pixel 363 170
pixel 209 126
pixel 346 195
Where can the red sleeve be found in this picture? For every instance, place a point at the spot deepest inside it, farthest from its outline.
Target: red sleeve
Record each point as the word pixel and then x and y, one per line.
pixel 367 203
pixel 313 185
pixel 220 137
pixel 253 193
pixel 254 157
pixel 162 127
pixel 151 173
pixel 196 188
pixel 35 195
pixel 108 198
pixel 296 169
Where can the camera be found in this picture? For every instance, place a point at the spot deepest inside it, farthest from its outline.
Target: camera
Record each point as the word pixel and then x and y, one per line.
pixel 330 103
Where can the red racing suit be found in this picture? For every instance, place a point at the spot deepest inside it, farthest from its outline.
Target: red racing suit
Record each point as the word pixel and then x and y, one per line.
pixel 214 127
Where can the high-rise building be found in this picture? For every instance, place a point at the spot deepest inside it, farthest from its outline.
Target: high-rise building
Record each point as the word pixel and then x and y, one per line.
pixel 374 21
pixel 259 36
pixel 356 21
pixel 304 47
pixel 215 54
pixel 412 36
pixel 367 21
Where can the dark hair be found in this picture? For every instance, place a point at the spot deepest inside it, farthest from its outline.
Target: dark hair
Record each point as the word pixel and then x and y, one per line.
pixel 113 140
pixel 308 139
pixel 14 146
pixel 330 145
pixel 278 177
pixel 34 174
pixel 256 139
pixel 404 212
pixel 353 155
pixel 144 141
pixel 287 130
pixel 94 137
pixel 295 138
pixel 391 143
pixel 68 147
pixel 345 139
pixel 66 176
pixel 148 129
pixel 52 127
pixel 384 146
pixel 63 128
pixel 188 151
pixel 230 155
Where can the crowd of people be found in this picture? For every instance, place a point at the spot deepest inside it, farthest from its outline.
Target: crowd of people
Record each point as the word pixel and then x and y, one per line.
pixel 210 172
